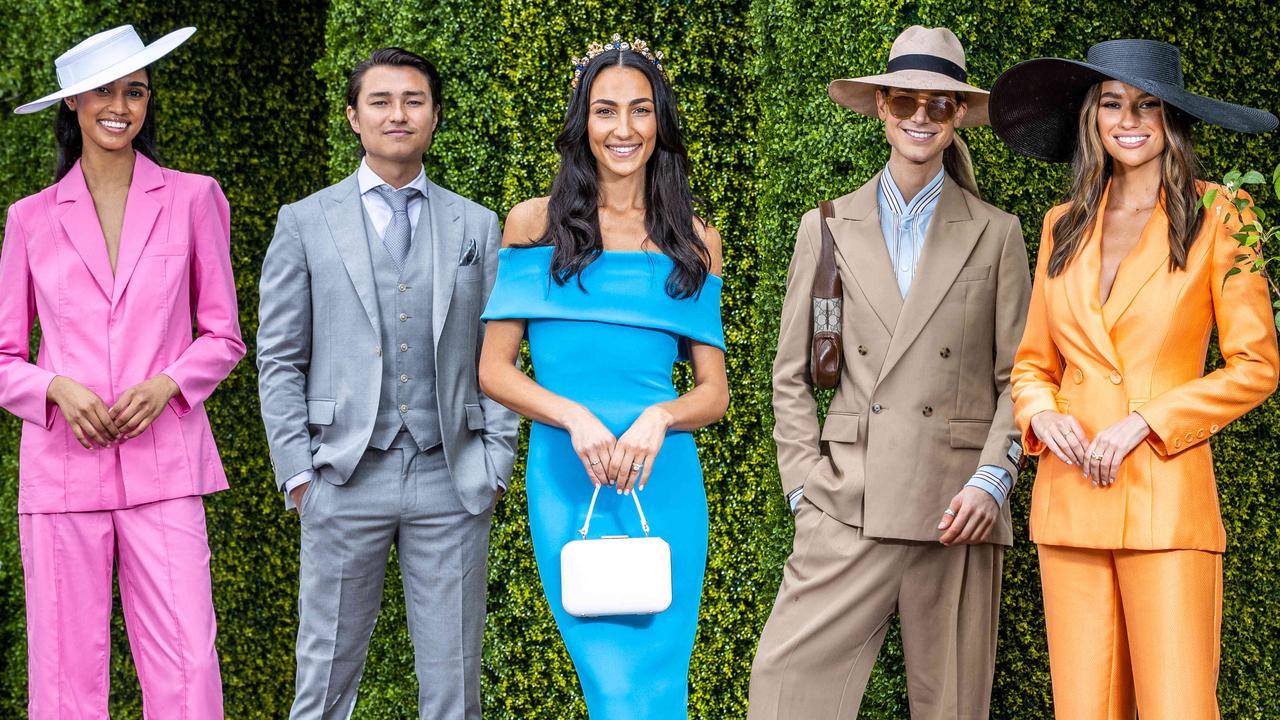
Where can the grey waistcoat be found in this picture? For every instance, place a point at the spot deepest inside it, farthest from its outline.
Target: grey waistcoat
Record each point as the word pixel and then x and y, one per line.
pixel 408 396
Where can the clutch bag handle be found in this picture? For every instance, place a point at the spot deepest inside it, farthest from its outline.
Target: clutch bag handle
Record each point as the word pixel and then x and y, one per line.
pixel 592 507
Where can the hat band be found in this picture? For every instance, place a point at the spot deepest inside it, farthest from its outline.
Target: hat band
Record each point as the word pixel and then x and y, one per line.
pixel 931 63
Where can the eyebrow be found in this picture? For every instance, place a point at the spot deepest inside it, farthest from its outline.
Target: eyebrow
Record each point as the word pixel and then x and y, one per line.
pixel 613 103
pixel 1120 96
pixel 388 93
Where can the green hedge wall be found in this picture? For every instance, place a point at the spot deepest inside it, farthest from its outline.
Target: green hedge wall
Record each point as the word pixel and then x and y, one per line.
pixel 255 100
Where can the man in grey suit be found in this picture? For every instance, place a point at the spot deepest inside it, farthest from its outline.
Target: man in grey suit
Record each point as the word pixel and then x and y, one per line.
pixel 370 329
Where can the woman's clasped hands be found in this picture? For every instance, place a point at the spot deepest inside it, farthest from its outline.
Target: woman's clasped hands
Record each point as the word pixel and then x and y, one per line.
pixel 96 425
pixel 1098 459
pixel 626 462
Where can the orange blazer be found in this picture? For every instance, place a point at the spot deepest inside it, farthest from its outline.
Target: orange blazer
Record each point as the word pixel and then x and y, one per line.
pixel 1144 351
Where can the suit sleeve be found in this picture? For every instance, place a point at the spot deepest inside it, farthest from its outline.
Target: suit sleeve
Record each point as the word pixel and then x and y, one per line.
pixel 1013 293
pixel 217 347
pixel 500 424
pixel 795 411
pixel 1188 414
pixel 1037 366
pixel 284 349
pixel 24 386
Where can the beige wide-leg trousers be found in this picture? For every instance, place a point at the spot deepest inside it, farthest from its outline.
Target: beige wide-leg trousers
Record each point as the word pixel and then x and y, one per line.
pixel 839 592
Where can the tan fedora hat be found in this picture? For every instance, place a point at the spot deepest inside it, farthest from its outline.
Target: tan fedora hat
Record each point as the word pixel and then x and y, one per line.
pixel 921 59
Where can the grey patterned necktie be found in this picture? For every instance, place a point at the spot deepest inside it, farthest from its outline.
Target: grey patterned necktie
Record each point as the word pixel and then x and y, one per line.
pixel 399 232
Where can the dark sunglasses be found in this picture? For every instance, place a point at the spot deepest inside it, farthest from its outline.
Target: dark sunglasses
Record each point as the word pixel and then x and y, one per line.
pixel 938 108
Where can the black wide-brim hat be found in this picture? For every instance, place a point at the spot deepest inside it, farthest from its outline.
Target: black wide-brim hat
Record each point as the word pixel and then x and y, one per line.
pixel 1035 105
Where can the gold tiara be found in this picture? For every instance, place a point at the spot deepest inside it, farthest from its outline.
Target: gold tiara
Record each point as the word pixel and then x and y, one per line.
pixel 616 42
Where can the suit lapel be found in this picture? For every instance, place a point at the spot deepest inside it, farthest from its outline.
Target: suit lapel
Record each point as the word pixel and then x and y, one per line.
pixel 953 232
pixel 1136 270
pixel 860 245
pixel 1081 278
pixel 79 220
pixel 140 213
pixel 344 215
pixel 446 241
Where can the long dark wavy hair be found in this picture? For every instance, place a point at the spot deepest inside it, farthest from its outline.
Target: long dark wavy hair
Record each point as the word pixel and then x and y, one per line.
pixel 573 208
pixel 66 133
pixel 1091 170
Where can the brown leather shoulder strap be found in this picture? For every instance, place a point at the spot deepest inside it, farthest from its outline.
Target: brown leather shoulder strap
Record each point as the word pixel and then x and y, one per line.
pixel 826 281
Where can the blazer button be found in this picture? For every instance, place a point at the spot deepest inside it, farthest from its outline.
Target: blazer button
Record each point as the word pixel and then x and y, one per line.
pixel 1200 433
pixel 1177 442
pixel 1190 438
pixel 1079 377
pixel 928 412
pixel 1115 378
pixel 876 408
pixel 946 352
pixel 378 352
pixel 862 349
pixel 1213 428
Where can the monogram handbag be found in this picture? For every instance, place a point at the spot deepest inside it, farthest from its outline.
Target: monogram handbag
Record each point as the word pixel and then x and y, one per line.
pixel 828 299
pixel 615 574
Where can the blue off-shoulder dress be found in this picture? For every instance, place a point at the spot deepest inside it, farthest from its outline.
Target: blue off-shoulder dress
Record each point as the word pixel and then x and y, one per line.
pixel 611 348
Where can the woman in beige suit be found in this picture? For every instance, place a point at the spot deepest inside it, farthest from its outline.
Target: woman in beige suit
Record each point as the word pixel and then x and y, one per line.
pixel 900 499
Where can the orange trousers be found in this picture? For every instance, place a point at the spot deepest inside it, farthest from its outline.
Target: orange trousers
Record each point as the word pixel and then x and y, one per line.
pixel 1132 631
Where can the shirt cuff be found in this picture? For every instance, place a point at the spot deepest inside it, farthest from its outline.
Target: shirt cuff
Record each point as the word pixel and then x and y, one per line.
pixel 298 480
pixel 994 480
pixel 794 498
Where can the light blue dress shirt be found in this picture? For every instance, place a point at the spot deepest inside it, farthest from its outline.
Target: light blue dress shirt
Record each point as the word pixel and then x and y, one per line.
pixel 904 225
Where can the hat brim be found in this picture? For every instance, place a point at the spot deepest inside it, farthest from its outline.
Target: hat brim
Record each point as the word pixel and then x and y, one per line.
pixel 1035 105
pixel 859 94
pixel 143 58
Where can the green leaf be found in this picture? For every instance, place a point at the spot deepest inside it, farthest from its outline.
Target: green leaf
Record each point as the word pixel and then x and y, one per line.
pixel 1278 320
pixel 1208 198
pixel 1232 179
pixel 1253 177
pixel 1275 174
pixel 1262 215
pixel 1277 186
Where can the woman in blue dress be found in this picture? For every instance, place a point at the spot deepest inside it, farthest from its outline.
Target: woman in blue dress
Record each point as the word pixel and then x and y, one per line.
pixel 613 278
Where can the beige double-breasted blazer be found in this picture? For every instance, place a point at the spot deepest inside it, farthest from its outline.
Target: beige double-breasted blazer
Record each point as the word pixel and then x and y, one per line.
pixel 924 395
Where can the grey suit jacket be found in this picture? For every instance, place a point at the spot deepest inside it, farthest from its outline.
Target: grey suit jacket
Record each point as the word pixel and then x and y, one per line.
pixel 319 364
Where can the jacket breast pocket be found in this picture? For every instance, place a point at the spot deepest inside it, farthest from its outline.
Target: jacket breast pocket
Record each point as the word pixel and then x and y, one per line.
pixel 165 250
pixel 974 272
pixel 320 412
pixel 841 427
pixel 969 434
pixel 470 273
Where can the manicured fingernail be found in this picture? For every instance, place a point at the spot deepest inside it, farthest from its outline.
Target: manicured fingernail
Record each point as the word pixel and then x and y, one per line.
pixel 941 525
pixel 619 491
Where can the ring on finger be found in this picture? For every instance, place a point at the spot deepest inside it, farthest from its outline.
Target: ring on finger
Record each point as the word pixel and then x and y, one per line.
pixel 1097 456
pixel 950 512
pixel 595 461
pixel 637 466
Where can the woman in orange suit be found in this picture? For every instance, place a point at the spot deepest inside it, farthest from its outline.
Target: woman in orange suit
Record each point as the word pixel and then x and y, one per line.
pixel 1110 377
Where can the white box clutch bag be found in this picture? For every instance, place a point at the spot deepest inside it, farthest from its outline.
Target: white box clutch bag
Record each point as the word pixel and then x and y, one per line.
pixel 615 574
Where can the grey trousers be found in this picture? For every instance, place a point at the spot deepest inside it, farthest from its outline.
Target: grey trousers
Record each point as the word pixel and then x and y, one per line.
pixel 403 497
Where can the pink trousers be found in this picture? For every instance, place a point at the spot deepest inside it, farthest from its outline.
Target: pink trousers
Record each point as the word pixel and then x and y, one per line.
pixel 163 555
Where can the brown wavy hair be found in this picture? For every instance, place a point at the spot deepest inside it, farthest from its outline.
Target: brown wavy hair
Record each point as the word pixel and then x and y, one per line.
pixel 1091 170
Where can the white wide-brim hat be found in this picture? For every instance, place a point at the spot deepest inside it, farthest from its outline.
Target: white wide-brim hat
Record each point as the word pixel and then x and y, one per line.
pixel 102 58
pixel 921 59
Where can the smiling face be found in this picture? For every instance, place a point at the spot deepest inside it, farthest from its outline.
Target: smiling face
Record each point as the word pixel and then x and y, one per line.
pixel 111 116
pixel 922 136
pixel 1130 124
pixel 394 115
pixel 622 124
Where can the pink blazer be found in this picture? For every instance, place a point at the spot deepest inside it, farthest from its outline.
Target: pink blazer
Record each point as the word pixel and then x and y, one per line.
pixel 110 333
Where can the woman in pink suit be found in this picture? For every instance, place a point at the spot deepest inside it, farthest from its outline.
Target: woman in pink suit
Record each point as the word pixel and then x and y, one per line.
pixel 118 259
